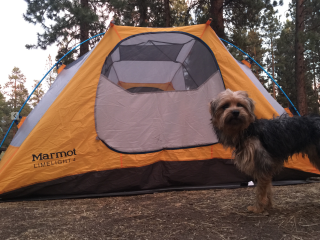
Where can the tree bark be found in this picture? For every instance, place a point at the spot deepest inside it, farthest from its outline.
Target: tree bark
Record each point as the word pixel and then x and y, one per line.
pixel 273 84
pixel 216 13
pixel 299 59
pixel 143 8
pixel 315 87
pixel 84 31
pixel 167 12
pixel 15 95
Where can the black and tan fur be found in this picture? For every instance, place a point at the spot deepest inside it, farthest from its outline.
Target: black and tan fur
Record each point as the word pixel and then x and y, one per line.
pixel 260 146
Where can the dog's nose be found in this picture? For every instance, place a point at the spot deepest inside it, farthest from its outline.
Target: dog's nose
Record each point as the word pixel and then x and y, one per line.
pixel 235 113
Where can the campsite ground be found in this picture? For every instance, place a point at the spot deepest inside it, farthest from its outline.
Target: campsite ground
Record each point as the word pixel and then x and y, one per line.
pixel 207 214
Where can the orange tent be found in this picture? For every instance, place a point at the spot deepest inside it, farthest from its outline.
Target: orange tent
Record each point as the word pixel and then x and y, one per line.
pixel 132 115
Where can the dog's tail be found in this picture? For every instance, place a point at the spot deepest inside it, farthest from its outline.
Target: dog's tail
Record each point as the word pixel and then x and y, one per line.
pixel 313 152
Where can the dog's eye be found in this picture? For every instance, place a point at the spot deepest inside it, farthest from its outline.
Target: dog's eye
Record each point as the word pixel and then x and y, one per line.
pixel 239 105
pixel 225 106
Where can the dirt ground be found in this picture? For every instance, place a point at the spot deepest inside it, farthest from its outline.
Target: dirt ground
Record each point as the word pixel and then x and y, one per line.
pixel 206 214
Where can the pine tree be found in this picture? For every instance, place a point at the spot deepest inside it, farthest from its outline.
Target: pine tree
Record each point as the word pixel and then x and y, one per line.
pixel 66 23
pixel 147 13
pixel 306 15
pixel 160 13
pixel 133 12
pixel 17 94
pixel 229 15
pixel 52 74
pixel 311 38
pixel 271 30
pixel 14 88
pixel 285 68
pixel 312 63
pixel 167 14
pixel 37 94
pixel 285 64
pixel 250 42
pixel 180 13
pixel 299 58
pixel 5 120
pixel 216 13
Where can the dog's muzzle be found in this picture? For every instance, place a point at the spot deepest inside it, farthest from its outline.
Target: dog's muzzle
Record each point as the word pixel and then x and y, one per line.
pixel 235 113
pixel 233 118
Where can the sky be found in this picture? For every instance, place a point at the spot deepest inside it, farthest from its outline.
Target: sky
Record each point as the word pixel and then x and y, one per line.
pixel 16 33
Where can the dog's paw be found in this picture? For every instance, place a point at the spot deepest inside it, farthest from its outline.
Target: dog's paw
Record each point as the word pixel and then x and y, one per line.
pixel 269 206
pixel 254 209
pixel 251 208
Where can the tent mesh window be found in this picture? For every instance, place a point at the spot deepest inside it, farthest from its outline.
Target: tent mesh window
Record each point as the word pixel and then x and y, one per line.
pixel 162 61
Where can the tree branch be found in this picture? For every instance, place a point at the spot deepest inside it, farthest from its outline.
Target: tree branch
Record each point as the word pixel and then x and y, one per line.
pixel 312 28
pixel 227 3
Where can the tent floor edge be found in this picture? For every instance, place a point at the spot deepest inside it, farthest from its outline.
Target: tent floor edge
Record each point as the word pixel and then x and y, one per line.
pixel 167 176
pixel 150 191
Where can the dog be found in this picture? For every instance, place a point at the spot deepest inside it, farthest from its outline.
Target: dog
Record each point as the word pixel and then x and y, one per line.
pixel 260 146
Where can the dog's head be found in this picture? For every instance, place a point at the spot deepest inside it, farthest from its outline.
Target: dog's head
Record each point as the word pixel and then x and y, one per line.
pixel 232 112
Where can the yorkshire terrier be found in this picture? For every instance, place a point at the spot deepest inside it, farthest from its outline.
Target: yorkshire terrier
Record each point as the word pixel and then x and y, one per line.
pixel 260 146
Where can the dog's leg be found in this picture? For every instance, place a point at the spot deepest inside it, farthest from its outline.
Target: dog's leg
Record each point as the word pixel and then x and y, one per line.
pixel 269 195
pixel 263 171
pixel 263 195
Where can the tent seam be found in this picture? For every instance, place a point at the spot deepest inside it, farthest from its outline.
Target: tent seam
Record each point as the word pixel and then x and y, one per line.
pixel 114 27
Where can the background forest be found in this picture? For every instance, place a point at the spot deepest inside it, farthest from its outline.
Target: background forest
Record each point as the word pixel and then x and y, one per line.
pixel 289 51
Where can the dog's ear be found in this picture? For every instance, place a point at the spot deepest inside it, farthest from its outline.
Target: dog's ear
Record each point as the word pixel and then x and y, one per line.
pixel 228 91
pixel 251 104
pixel 245 95
pixel 213 106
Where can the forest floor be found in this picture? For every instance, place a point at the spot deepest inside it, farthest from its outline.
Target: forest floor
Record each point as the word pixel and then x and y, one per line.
pixel 205 214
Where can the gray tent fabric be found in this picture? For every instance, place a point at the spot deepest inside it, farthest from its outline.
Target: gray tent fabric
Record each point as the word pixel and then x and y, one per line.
pixel 58 85
pixel 146 117
pixel 280 110
pixel 173 57
pixel 152 121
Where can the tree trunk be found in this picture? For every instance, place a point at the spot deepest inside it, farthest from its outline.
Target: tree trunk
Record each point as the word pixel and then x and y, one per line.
pixel 84 31
pixel 15 103
pixel 15 95
pixel 273 84
pixel 167 12
pixel 216 13
pixel 299 59
pixel 315 87
pixel 143 8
